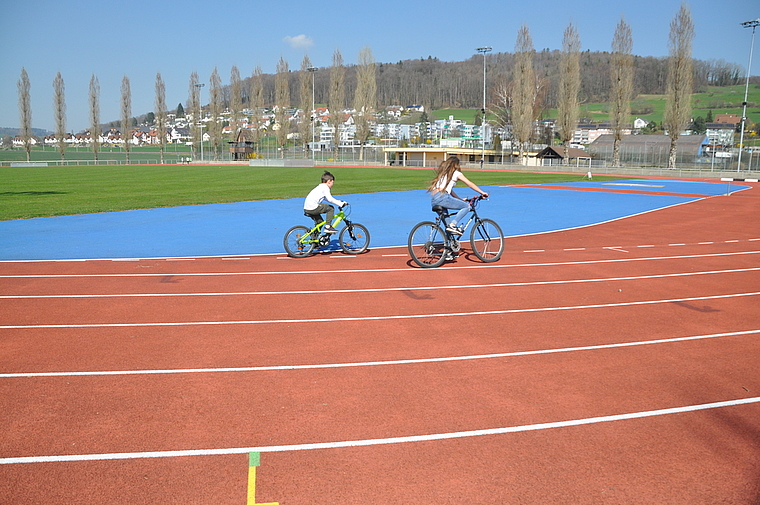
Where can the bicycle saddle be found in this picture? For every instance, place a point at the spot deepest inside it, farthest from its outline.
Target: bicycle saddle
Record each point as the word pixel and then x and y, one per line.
pixel 440 210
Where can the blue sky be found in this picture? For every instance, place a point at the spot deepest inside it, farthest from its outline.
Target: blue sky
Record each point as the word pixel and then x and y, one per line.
pixel 175 38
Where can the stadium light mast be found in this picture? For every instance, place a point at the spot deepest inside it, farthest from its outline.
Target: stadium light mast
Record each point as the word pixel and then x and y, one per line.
pixel 747 24
pixel 200 111
pixel 483 50
pixel 313 110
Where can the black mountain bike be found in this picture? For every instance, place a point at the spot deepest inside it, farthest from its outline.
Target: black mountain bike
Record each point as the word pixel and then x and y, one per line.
pixel 430 244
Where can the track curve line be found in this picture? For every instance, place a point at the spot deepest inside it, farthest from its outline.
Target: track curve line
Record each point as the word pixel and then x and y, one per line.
pixel 380 441
pixel 375 270
pixel 383 290
pixel 271 368
pixel 380 318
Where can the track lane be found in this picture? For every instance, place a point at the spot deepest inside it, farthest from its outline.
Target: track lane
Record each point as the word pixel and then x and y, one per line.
pixel 681 458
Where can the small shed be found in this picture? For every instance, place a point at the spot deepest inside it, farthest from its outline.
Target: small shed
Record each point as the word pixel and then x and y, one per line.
pixel 242 147
pixel 553 155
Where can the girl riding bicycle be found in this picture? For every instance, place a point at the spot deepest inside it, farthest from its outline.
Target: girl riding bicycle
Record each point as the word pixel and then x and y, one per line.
pixel 442 192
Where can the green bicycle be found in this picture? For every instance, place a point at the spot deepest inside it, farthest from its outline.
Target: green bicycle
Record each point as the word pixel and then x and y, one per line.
pixel 300 241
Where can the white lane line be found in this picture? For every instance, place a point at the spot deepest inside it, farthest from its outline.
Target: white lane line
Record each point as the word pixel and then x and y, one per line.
pixel 383 270
pixel 379 441
pixel 377 318
pixel 382 290
pixel 416 361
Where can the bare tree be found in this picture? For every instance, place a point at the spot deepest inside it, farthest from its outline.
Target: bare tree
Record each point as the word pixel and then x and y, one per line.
pixel 160 115
pixel 337 97
pixel 282 94
pixel 304 87
pixel 215 106
pixel 95 115
pixel 680 79
pixel 25 112
pixel 59 113
pixel 257 102
pixel 126 115
pixel 568 108
pixel 194 106
pixel 524 90
pixel 365 101
pixel 621 65
pixel 236 99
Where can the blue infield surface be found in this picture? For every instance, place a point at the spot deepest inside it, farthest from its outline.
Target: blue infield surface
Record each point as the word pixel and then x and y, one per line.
pixel 247 228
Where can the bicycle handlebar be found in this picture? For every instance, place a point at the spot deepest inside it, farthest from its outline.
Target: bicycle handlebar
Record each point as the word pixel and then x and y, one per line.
pixel 475 199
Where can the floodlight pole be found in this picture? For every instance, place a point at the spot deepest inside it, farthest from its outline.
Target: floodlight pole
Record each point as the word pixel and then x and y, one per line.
pixel 483 51
pixel 313 110
pixel 747 24
pixel 200 111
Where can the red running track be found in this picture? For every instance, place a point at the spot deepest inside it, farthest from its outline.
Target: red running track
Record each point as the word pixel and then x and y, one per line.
pixel 612 364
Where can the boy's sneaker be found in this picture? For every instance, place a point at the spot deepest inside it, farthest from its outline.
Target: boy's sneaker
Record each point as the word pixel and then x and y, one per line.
pixel 453 229
pixel 329 229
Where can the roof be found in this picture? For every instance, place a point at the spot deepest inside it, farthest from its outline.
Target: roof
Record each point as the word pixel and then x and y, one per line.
pixel 687 144
pixel 559 152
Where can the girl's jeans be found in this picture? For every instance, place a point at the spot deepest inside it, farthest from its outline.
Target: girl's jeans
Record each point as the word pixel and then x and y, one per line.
pixel 449 202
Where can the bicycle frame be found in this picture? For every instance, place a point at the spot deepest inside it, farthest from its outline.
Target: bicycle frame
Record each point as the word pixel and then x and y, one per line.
pixel 317 236
pixel 472 217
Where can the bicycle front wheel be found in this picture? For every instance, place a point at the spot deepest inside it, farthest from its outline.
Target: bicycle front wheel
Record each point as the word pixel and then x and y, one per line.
pixel 297 242
pixel 487 241
pixel 427 244
pixel 354 239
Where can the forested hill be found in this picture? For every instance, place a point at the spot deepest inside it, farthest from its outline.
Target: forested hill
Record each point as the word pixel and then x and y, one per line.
pixel 437 84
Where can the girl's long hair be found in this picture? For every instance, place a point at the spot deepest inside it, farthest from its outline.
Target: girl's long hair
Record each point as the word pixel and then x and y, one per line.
pixel 444 172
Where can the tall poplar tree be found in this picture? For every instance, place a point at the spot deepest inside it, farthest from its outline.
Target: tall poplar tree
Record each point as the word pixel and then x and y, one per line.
pixel 160 115
pixel 304 88
pixel 365 102
pixel 523 90
pixel 95 116
pixel 257 103
pixel 25 112
pixel 126 115
pixel 621 65
pixel 59 113
pixel 194 106
pixel 282 97
pixel 568 108
pixel 337 98
pixel 680 81
pixel 215 105
pixel 236 100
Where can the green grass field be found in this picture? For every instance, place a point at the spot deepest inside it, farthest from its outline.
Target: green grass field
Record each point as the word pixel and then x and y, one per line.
pixel 719 100
pixel 27 192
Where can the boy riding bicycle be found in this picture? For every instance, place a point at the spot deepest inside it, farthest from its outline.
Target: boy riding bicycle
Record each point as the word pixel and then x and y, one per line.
pixel 314 205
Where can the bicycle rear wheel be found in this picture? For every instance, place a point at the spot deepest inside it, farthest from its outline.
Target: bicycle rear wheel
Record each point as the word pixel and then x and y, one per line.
pixel 487 241
pixel 427 244
pixel 354 239
pixel 297 242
